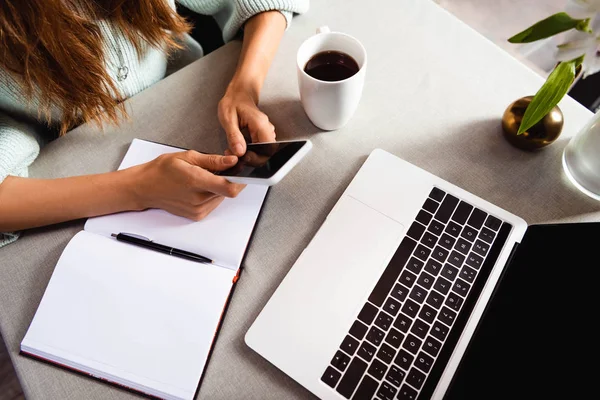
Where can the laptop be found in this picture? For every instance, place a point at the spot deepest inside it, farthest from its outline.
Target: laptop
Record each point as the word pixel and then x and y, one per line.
pixel 414 288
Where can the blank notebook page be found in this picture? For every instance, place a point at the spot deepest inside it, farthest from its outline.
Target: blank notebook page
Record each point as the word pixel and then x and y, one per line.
pixel 222 236
pixel 130 315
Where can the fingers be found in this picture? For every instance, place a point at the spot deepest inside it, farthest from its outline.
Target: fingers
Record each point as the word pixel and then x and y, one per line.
pixel 199 212
pixel 261 129
pixel 229 121
pixel 211 162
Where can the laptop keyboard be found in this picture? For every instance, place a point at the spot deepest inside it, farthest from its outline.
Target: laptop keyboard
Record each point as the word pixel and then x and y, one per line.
pixel 392 347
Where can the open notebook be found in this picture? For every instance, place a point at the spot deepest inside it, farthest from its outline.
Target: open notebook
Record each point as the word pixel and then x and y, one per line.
pixel 136 317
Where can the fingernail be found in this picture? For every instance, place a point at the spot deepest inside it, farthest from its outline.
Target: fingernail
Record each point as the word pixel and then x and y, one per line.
pixel 238 149
pixel 230 159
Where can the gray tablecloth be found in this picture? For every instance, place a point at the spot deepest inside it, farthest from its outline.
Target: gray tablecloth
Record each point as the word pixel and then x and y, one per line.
pixel 434 95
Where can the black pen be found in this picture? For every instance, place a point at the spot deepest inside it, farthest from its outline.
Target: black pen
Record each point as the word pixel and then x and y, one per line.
pixel 149 244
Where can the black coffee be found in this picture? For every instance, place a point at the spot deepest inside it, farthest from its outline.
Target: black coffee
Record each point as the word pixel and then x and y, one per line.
pixel 331 66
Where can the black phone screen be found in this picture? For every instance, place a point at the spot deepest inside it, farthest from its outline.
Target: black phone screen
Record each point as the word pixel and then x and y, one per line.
pixel 263 160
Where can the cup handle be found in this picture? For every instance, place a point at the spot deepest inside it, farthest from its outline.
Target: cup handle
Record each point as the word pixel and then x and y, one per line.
pixel 323 29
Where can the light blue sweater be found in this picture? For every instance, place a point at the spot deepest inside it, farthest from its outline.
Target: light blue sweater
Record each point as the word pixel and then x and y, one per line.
pixel 21 133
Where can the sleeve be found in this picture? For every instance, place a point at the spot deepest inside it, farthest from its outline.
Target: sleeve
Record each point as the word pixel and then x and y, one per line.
pixel 19 147
pixel 232 14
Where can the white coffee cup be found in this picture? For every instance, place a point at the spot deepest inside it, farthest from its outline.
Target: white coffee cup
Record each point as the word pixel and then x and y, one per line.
pixel 330 104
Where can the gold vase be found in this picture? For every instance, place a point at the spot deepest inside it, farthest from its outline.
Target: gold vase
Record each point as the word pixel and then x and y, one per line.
pixel 546 131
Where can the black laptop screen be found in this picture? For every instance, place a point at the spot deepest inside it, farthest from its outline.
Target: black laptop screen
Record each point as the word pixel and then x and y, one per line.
pixel 536 338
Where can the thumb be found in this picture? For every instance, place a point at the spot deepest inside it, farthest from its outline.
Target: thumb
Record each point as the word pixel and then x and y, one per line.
pixel 235 138
pixel 211 162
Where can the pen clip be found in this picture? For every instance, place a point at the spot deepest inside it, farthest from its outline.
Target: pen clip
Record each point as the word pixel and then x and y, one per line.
pixel 134 235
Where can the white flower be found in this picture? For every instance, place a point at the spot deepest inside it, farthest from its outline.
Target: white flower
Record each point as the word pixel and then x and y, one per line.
pixel 580 9
pixel 582 43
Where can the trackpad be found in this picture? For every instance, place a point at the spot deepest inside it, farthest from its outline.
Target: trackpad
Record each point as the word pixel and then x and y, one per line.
pixel 330 282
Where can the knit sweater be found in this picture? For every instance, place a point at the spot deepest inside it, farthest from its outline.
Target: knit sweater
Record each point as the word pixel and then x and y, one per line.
pixel 22 133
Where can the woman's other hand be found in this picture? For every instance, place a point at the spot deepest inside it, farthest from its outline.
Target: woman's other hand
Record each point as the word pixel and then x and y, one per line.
pixel 238 109
pixel 182 183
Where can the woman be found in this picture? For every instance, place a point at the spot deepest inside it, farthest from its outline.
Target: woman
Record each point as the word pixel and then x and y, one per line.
pixel 67 62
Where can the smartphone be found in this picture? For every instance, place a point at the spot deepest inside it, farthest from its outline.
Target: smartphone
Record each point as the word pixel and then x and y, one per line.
pixel 267 163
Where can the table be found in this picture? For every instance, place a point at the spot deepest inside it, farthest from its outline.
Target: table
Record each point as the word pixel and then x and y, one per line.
pixel 434 95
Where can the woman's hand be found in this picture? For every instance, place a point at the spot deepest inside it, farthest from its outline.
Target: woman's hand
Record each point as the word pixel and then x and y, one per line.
pixel 238 109
pixel 182 184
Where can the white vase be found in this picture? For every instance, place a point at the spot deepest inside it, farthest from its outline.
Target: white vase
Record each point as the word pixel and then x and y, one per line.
pixel 581 158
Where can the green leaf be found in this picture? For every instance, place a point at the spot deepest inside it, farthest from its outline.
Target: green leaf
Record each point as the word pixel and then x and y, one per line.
pixel 551 92
pixel 550 26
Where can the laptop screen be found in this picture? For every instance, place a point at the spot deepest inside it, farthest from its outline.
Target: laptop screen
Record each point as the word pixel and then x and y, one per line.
pixel 538 333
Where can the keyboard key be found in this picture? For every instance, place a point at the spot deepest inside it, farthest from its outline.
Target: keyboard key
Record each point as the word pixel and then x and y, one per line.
pixel 463 245
pixel 481 248
pixel 487 235
pixel 425 280
pixel 394 338
pixel 400 292
pixel 395 375
pixel 493 223
pixel 447 241
pixel 418 294
pixel 432 346
pixel 424 217
pixel 408 278
pixel 469 233
pixel 436 227
pixel 410 308
pixel 386 391
pixel 340 361
pixel 431 206
pixel 453 229
pixel 366 389
pixel 447 316
pixel 351 378
pixel 415 378
pixel 366 351
pixel 384 321
pixel 423 362
pixel 435 299
pixel 476 219
pixel 468 274
pixel 462 213
pixel 386 354
pixel 461 287
pixel 349 345
pixel 442 285
pixel 391 306
pixel 456 259
pixel 416 230
pixel 429 239
pixel 420 328
pixel 402 323
pixel 414 265
pixel 375 335
pixel 412 343
pixel 407 393
pixel 439 331
pixel 449 272
pixel 422 252
pixel 377 369
pixel 427 314
pixel 368 313
pixel 454 301
pixel 404 359
pixel 437 194
pixel 474 260
pixel 433 267
pixel 392 271
pixel 331 377
pixel 446 208
pixel 440 254
pixel 358 330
